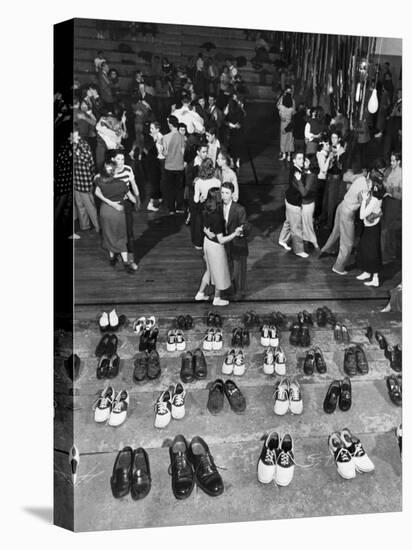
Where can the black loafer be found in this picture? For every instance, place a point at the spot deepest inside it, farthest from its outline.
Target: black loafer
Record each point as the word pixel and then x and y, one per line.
pixel 181 322
pixel 337 333
pixel 102 346
pixel 345 398
pixel 199 364
pixel 320 361
pixel 332 397
pixel 361 361
pixel 349 362
pixel 237 337
pixel 112 345
pixel 330 318
pixel 321 317
pixel 153 367
pixel 398 357
pixel 394 390
pixel 186 370
pixel 235 397
pixel 188 322
pixel 369 334
pixel 218 320
pixel 207 476
pixel 183 478
pixel 304 336
pixel 380 338
pixel 122 471
pixel 216 397
pixel 72 366
pixel 245 337
pixel 307 317
pixel 102 367
pixel 152 339
pixel 144 338
pixel 140 366
pixel 345 334
pixel 294 334
pixel 210 320
pixel 113 367
pixel 309 363
pixel 141 480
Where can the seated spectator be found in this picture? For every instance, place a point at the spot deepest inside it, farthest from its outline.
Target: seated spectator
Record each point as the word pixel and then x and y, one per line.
pixel 98 60
pixel 115 85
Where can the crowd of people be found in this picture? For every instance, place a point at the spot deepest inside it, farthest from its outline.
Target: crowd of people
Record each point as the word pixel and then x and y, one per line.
pixel 188 144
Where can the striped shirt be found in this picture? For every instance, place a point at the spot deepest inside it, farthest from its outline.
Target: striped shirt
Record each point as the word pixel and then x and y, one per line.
pixel 126 176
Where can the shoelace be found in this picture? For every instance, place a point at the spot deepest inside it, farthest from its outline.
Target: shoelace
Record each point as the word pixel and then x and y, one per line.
pixel 181 463
pixel 179 399
pixel 281 393
pixel 161 407
pixel 285 458
pixel 270 456
pixel 294 393
pixel 206 465
pixel 359 450
pixel 342 455
pixel 102 402
pixel 117 406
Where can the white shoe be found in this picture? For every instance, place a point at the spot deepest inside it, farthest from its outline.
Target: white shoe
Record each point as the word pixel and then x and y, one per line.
pixel 208 339
pixel 295 398
pixel 343 459
pixel 178 401
pixel 285 245
pixel 280 362
pixel 217 343
pixel 269 361
pixel 363 276
pixel 374 282
pixel 273 337
pixel 151 207
pixel 104 321
pixel 103 405
pixel 281 397
pixel 113 319
pixel 267 460
pixel 339 272
pixel 285 463
pixel 163 410
pixel 139 325
pixel 220 302
pixel 200 296
pixel 302 255
pixel 171 341
pixel 265 336
pixel 74 237
pixel 228 363
pixel 119 409
pixel 180 340
pixel 353 444
pixel 239 367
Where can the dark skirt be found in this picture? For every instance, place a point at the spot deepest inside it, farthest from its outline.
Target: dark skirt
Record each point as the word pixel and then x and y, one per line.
pixel 369 256
pixel 196 224
pixel 113 224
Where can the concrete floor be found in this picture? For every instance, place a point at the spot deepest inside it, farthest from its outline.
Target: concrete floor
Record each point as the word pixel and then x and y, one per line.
pixel 235 440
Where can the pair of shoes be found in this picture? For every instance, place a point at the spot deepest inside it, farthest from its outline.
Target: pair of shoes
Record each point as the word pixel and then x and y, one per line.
pixel 175 340
pixel 146 365
pixel 341 333
pixel 108 366
pixel 213 340
pixel 285 245
pixel 274 361
pixel 111 407
pixel 349 455
pixel 380 338
pixel 72 366
pixel 214 319
pixel 240 337
pixel 234 363
pixel 269 336
pixel 314 360
pixel 278 319
pixel 304 318
pixel 324 316
pixel 394 356
pixel 339 391
pixel 131 473
pixel 170 404
pixel 288 396
pixel 193 366
pixel 250 319
pixel 355 361
pixel 142 324
pixel 299 335
pixel 190 464
pixel 277 460
pixel 110 322
pixel 148 339
pixel 394 385
pixel 107 345
pixel 201 297
pixel 218 389
pixel 184 322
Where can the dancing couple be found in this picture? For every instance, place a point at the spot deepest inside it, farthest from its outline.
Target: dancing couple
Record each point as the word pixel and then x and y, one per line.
pixel 225 246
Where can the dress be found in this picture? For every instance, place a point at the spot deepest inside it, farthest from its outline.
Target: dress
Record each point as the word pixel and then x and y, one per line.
pixel 201 189
pixel 214 252
pixel 112 221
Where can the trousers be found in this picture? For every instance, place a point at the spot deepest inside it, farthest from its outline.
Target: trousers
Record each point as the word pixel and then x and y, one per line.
pixel 174 189
pixel 86 209
pixel 344 230
pixel 293 227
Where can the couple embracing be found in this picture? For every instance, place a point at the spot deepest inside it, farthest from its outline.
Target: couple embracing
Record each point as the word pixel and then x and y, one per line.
pixel 225 245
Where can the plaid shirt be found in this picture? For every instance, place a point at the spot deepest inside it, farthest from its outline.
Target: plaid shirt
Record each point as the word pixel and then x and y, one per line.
pixel 83 167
